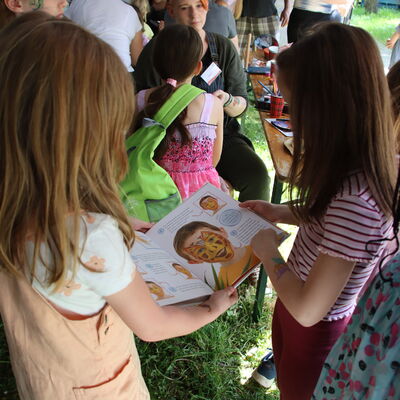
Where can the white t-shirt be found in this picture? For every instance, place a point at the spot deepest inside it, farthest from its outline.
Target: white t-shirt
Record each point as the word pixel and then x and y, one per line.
pixel 111 20
pixel 108 267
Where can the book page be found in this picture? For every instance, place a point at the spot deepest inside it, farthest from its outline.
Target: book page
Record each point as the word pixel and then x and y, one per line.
pixel 168 281
pixel 209 234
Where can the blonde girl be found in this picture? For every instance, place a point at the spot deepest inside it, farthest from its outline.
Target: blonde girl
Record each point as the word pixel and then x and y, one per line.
pixel 344 171
pixel 142 8
pixel 69 293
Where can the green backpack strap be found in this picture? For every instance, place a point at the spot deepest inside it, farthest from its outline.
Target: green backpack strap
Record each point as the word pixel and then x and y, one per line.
pixel 179 100
pixel 148 191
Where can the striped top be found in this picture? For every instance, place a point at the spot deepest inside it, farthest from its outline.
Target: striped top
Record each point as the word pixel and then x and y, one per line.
pixel 351 220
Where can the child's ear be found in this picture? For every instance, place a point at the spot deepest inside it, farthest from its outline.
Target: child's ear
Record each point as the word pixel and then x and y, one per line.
pixel 199 68
pixel 170 9
pixel 14 5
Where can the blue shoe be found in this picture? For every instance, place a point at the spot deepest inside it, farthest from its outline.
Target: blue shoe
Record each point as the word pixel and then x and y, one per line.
pixel 265 373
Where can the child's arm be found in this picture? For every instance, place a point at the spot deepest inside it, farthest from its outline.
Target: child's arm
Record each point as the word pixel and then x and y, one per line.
pixel 277 213
pixel 393 39
pixel 233 105
pixel 217 149
pixel 136 47
pixel 151 322
pixel 308 302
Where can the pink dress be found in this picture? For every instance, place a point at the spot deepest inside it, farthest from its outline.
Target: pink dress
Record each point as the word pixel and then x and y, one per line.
pixel 191 166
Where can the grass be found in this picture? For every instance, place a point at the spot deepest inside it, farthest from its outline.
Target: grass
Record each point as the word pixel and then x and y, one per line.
pixel 381 25
pixel 214 363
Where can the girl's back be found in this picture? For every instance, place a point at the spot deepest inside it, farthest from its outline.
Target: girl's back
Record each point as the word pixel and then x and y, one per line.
pixel 192 165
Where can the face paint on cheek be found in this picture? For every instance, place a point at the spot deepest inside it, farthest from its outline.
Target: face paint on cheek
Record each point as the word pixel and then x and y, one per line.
pixel 214 248
pixel 36 4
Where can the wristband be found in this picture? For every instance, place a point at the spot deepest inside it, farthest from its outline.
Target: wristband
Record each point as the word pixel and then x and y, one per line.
pixel 229 101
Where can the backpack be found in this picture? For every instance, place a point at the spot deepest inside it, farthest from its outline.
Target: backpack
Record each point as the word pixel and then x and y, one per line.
pixel 148 192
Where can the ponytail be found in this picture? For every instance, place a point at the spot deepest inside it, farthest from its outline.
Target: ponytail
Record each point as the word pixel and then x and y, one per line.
pixel 155 101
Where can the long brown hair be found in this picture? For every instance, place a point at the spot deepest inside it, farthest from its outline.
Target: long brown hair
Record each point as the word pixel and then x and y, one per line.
pixel 66 102
pixel 393 78
pixel 177 50
pixel 340 113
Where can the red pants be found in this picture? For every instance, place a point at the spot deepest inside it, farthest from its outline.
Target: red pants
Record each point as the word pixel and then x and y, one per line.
pixel 300 352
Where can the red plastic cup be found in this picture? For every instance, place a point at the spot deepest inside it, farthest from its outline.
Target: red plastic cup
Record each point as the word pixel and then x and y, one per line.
pixel 277 104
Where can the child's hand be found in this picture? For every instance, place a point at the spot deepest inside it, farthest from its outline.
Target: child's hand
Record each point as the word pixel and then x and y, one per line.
pixel 139 225
pixel 392 41
pixel 221 300
pixel 265 243
pixel 263 209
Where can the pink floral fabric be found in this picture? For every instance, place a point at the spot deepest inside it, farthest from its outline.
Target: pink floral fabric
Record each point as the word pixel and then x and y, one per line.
pixel 365 361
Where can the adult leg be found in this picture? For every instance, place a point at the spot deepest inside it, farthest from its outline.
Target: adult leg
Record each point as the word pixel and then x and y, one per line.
pixel 244 169
pixel 301 21
pixel 243 29
pixel 262 26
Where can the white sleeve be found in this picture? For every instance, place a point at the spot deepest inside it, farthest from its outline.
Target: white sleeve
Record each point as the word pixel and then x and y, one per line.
pixel 133 25
pixel 108 267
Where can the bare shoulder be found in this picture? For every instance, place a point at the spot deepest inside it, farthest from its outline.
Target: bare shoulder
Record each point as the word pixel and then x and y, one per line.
pixel 195 109
pixel 217 111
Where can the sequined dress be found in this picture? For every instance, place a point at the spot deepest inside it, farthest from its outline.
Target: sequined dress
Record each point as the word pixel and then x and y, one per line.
pixel 191 166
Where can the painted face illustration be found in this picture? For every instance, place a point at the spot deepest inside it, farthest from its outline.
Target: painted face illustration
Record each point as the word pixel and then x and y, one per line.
pixel 156 289
pixel 209 203
pixel 182 270
pixel 210 247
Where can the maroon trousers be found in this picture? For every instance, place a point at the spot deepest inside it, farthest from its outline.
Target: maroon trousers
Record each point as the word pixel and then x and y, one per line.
pixel 300 352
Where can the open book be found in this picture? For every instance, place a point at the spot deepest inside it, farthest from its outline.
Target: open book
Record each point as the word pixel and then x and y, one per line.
pixel 201 246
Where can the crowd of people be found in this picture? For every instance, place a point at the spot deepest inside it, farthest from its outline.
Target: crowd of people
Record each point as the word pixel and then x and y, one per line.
pixel 75 87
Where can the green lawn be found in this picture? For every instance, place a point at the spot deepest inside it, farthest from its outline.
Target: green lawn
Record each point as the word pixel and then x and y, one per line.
pixel 381 26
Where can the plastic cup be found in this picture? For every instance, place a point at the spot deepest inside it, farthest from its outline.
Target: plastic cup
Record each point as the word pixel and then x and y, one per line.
pixel 277 104
pixel 273 51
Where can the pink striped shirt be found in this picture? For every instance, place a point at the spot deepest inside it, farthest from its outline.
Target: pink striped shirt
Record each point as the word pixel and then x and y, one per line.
pixel 352 219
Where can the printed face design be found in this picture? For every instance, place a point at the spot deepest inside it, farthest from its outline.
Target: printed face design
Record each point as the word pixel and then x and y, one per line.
pixel 155 289
pixel 188 12
pixel 209 203
pixel 209 246
pixel 182 270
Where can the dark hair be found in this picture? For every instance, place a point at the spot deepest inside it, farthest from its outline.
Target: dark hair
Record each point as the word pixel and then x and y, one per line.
pixel 177 50
pixel 340 113
pixel 395 237
pixel 393 78
pixel 6 15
